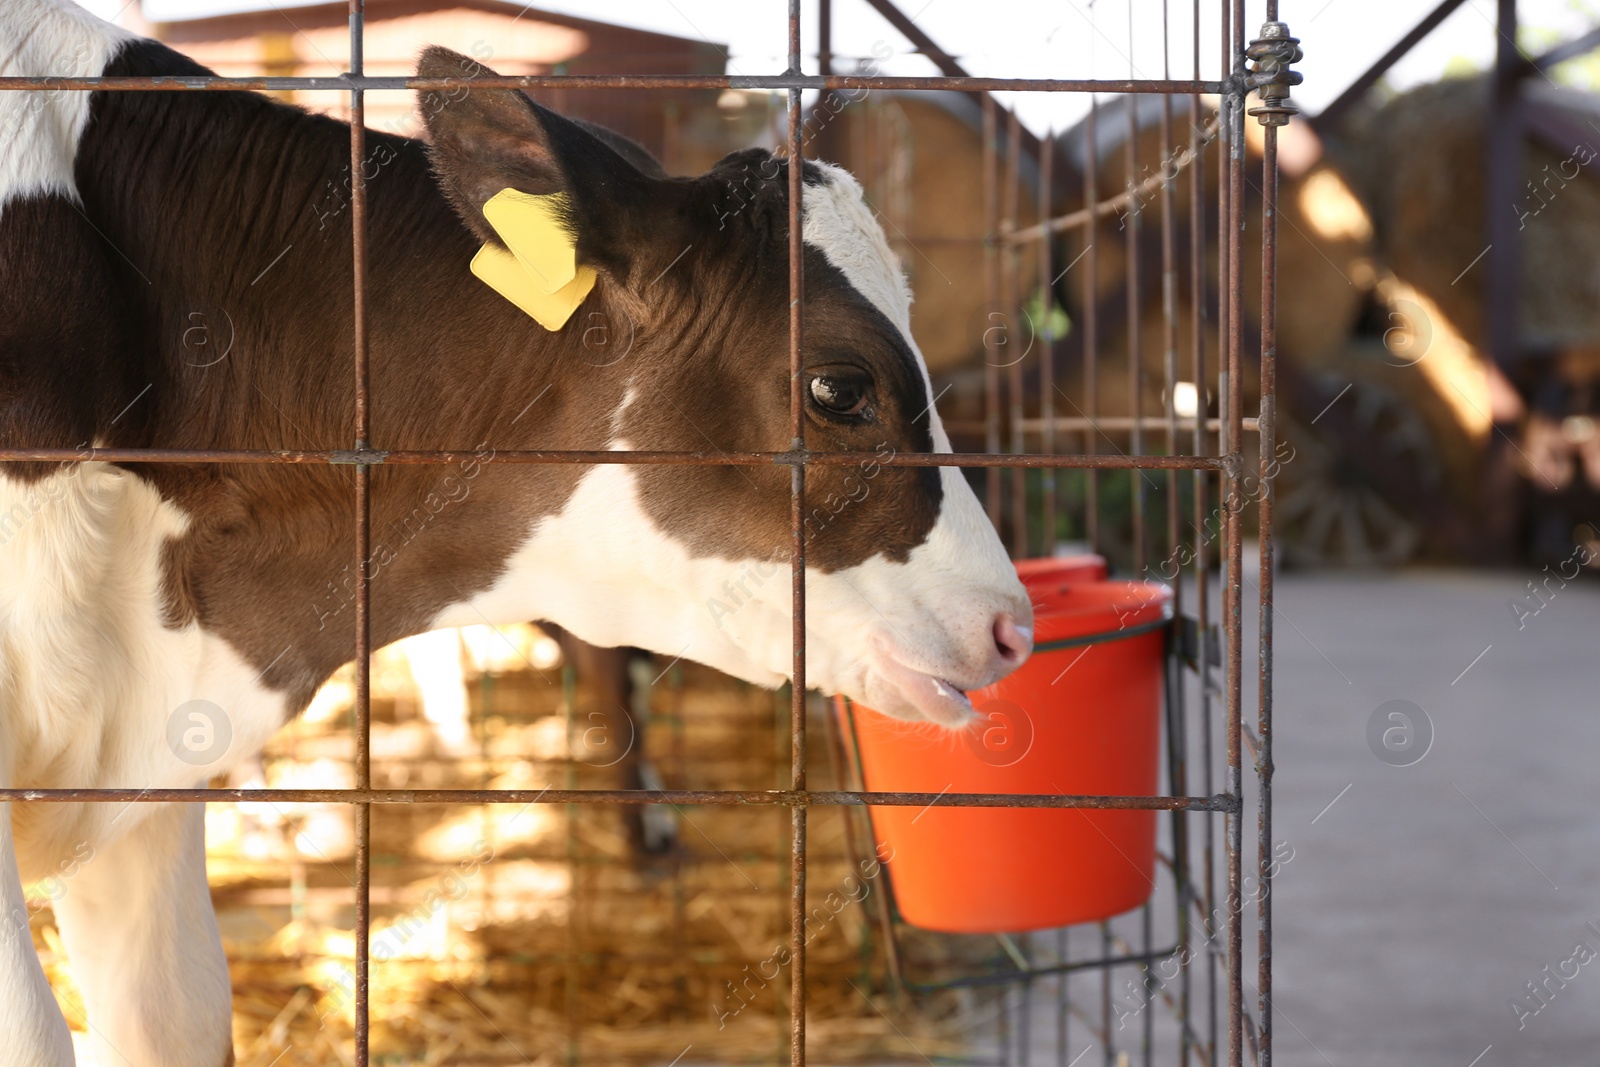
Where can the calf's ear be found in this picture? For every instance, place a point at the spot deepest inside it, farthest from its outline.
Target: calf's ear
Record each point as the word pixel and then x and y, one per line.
pixel 484 141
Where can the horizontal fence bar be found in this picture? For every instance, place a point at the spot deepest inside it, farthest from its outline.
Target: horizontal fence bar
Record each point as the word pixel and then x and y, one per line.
pixel 378 457
pixel 347 82
pixel 1100 424
pixel 726 797
pixel 1018 975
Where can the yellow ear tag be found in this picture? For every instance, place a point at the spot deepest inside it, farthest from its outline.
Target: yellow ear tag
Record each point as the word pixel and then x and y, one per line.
pixel 540 272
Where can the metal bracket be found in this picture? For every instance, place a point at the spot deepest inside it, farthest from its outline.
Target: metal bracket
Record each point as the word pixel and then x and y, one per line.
pixel 358 456
pixel 1197 647
pixel 1273 54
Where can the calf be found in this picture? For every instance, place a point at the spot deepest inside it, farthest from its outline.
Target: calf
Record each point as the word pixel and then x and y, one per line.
pixel 175 273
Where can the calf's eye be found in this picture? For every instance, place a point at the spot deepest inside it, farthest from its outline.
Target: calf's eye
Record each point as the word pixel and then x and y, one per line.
pixel 840 394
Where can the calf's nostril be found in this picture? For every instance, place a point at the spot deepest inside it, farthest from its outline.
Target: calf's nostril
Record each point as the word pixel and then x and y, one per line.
pixel 1012 642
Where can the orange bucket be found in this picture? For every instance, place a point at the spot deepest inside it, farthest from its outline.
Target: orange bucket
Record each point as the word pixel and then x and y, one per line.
pixel 1082 716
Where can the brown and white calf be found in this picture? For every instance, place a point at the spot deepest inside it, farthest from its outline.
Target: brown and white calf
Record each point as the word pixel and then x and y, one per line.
pixel 175 272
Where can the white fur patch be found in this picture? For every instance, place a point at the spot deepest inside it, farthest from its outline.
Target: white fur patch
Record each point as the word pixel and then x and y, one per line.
pixel 837 220
pixel 602 569
pixel 90 678
pixel 40 130
pixel 96 692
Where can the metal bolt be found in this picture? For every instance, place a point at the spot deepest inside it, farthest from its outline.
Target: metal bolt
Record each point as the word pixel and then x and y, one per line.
pixel 1273 53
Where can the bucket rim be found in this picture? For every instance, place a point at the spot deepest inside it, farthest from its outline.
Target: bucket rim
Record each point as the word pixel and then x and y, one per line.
pixel 1103 637
pixel 1087 613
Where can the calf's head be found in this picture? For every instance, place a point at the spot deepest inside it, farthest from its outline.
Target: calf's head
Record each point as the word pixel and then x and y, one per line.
pixel 911 601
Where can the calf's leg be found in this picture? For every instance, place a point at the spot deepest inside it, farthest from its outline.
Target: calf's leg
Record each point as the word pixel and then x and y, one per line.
pixel 32 1031
pixel 142 944
pixel 608 733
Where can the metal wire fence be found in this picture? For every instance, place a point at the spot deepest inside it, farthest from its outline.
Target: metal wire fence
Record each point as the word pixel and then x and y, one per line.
pixel 1213 449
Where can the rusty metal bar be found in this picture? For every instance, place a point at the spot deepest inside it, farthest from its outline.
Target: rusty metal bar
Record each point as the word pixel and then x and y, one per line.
pixel 1218 1023
pixel 1130 236
pixel 1047 355
pixel 725 797
pixel 1109 1047
pixel 1107 423
pixel 363 539
pixel 845 766
pixel 1202 572
pixel 1063 993
pixel 1169 702
pixel 773 82
pixel 797 505
pixel 992 330
pixel 1234 507
pixel 713 459
pixel 1091 302
pixel 1169 334
pixel 1278 46
pixel 1011 303
pixel 1177 706
pixel 1268 422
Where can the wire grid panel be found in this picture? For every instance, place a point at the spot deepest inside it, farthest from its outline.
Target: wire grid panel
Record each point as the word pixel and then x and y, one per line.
pixel 1245 1028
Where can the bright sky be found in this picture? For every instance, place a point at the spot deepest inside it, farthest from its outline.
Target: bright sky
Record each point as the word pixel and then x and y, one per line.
pixel 1053 38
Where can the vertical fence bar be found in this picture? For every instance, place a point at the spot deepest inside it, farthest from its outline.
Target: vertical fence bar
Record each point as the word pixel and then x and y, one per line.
pixel 797 510
pixel 572 965
pixel 1267 418
pixel 1025 1009
pixel 363 502
pixel 1224 331
pixel 1064 1018
pixel 1091 300
pixel 1002 1020
pixel 991 281
pixel 1177 713
pixel 1011 303
pixel 1147 942
pixel 1234 225
pixel 1169 301
pixel 1109 1049
pixel 1130 236
pixel 1047 355
pixel 1198 291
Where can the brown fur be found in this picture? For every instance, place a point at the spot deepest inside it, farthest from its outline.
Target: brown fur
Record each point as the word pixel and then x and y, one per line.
pixel 226 213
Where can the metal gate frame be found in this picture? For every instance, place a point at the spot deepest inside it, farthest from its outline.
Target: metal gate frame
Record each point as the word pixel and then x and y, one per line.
pixel 1272 54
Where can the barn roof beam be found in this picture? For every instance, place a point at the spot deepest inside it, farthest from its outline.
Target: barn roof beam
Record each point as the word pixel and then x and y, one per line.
pixel 1334 112
pixel 1568 50
pixel 947 64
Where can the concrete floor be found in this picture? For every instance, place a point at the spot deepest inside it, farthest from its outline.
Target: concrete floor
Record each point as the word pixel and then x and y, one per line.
pixel 1419 904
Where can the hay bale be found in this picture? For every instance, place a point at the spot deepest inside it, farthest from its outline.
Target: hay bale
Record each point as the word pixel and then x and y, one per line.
pixel 1418 160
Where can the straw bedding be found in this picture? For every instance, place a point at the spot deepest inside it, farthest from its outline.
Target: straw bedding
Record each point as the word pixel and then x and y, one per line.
pixel 529 934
